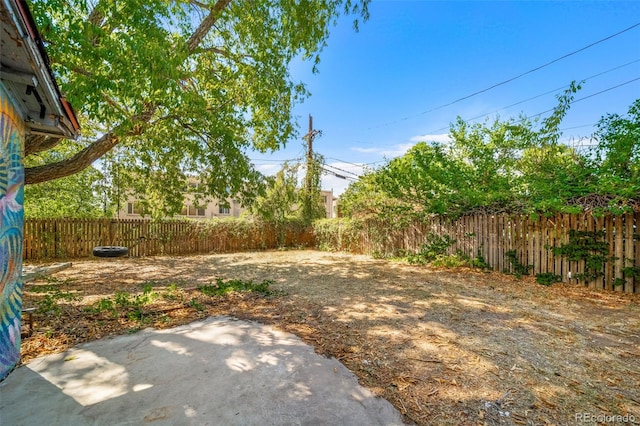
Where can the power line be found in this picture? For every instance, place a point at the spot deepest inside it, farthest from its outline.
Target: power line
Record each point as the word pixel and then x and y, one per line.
pixel 330 172
pixel 342 170
pixel 555 90
pixel 343 161
pixel 363 165
pixel 467 120
pixel 543 112
pixel 276 161
pixel 591 95
pixel 517 76
pixel 578 127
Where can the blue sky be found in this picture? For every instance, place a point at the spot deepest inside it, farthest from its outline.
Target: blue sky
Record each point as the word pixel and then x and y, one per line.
pixel 375 88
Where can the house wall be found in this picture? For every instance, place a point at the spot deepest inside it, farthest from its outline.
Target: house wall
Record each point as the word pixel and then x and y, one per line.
pixel 12 133
pixel 328 200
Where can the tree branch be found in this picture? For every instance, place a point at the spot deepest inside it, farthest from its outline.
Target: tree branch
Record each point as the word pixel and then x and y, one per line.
pixel 72 165
pixel 38 143
pixel 206 24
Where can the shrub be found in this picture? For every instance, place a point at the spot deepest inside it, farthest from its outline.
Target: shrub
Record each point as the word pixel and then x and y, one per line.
pixel 435 247
pixel 548 278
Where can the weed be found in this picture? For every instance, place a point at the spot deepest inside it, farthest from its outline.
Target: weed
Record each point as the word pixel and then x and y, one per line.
pixel 43 288
pixel 223 287
pixel 548 278
pixel 196 305
pixel 449 261
pixel 135 315
pixel 103 305
pixel 48 305
pixel 125 301
pixel 122 298
pixel 631 271
pixel 173 293
pixel 479 261
pixel 618 282
pixel 518 268
pixel 65 295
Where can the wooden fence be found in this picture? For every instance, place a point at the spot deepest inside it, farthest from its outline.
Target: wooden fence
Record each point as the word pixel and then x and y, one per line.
pixel 76 238
pixel 492 236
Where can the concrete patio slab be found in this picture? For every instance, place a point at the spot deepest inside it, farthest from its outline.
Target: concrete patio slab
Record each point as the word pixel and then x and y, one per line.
pixel 220 371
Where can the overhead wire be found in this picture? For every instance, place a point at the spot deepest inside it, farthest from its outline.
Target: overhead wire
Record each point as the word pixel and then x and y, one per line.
pixel 274 160
pixel 344 161
pixel 342 170
pixel 467 120
pixel 509 80
pixel 431 132
pixel 591 95
pixel 331 172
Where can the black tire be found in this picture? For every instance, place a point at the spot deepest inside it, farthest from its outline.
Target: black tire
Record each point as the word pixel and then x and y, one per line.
pixel 110 251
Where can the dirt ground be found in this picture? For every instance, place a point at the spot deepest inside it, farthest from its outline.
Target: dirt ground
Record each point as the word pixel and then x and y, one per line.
pixel 446 347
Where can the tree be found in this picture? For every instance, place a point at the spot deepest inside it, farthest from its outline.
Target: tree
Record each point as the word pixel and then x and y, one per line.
pixel 618 154
pixel 365 198
pixel 182 88
pixel 280 201
pixel 311 205
pixel 551 176
pixel 284 200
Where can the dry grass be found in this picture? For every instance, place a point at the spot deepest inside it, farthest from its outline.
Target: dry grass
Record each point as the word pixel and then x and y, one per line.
pixel 446 347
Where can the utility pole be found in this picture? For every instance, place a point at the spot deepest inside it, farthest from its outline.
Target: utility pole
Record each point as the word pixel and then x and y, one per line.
pixel 309 138
pixel 308 199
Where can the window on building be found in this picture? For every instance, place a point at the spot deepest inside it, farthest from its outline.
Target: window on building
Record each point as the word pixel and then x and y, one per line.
pixel 324 199
pixel 135 208
pixel 224 210
pixel 192 211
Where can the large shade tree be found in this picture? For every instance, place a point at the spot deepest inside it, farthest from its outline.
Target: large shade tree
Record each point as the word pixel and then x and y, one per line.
pixel 180 88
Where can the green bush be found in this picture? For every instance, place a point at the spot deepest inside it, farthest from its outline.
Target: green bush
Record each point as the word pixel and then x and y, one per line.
pixel 548 278
pixel 434 248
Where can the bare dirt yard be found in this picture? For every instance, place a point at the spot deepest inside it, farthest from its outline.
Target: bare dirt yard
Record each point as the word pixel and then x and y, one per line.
pixel 446 347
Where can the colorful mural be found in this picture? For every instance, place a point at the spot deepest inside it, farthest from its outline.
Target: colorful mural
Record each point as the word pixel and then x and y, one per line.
pixel 11 228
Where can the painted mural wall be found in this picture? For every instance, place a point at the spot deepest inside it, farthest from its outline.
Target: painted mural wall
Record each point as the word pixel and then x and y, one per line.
pixel 12 133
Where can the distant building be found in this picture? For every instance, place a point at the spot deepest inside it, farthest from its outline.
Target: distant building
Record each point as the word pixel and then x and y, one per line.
pixel 133 209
